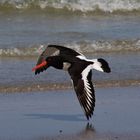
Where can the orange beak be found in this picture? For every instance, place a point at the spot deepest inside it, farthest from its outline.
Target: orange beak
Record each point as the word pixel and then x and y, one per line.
pixel 39 66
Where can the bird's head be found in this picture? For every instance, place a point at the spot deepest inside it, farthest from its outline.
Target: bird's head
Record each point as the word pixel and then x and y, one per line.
pixel 53 61
pixel 43 65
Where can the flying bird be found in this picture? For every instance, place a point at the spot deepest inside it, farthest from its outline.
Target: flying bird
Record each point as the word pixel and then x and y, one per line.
pixel 79 69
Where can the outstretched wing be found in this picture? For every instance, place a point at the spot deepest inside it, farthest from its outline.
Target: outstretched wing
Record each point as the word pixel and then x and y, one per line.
pixel 54 50
pixel 64 50
pixel 85 93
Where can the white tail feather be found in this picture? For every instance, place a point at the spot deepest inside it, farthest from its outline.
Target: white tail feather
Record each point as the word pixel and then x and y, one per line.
pixel 101 65
pixel 97 65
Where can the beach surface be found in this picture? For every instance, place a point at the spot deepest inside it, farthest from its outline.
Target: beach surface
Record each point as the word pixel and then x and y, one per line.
pixel 57 115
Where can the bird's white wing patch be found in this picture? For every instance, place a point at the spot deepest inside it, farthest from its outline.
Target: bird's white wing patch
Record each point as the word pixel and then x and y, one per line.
pixel 97 65
pixel 56 53
pixel 82 57
pixel 87 87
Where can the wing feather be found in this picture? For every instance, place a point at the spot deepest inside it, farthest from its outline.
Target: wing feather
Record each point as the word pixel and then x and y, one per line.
pixel 85 97
pixel 65 50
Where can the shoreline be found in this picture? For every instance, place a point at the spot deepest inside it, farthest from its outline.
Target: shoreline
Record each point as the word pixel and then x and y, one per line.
pixel 36 87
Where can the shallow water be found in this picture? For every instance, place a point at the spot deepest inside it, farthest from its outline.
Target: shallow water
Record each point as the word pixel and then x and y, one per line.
pixel 16 74
pixel 22 31
pixel 113 34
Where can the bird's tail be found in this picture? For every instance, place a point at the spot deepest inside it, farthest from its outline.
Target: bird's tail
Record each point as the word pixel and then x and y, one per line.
pixel 101 65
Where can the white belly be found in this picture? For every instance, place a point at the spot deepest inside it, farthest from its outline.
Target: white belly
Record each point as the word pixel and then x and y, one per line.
pixel 66 66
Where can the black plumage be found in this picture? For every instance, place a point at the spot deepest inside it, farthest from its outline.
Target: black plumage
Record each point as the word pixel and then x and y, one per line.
pixel 78 67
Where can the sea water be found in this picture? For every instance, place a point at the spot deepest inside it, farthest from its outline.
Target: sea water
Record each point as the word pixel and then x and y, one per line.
pixel 97 28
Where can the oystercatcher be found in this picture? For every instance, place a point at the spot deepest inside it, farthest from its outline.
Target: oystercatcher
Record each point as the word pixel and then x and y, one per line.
pixel 79 69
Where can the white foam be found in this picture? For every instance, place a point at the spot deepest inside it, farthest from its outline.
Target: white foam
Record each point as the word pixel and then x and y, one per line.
pixel 80 5
pixel 83 47
pixel 106 46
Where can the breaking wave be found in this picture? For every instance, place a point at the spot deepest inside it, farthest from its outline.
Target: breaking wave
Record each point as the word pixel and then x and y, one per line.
pixel 74 5
pixel 83 47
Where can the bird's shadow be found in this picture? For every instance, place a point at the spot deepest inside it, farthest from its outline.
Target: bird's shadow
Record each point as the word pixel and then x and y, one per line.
pixel 57 117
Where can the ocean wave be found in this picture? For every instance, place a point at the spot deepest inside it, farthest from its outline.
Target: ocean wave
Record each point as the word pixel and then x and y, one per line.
pixel 101 46
pixel 17 52
pixel 74 5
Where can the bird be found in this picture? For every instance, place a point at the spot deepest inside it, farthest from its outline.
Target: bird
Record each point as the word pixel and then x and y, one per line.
pixel 79 69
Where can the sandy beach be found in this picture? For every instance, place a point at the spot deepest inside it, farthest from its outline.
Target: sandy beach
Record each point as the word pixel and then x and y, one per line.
pixel 57 115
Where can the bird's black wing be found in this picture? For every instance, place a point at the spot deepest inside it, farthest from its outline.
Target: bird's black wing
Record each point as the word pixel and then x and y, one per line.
pixel 64 50
pixel 54 50
pixel 85 93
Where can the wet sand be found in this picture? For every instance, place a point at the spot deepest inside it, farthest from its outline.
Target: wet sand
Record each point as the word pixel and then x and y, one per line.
pixel 57 115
